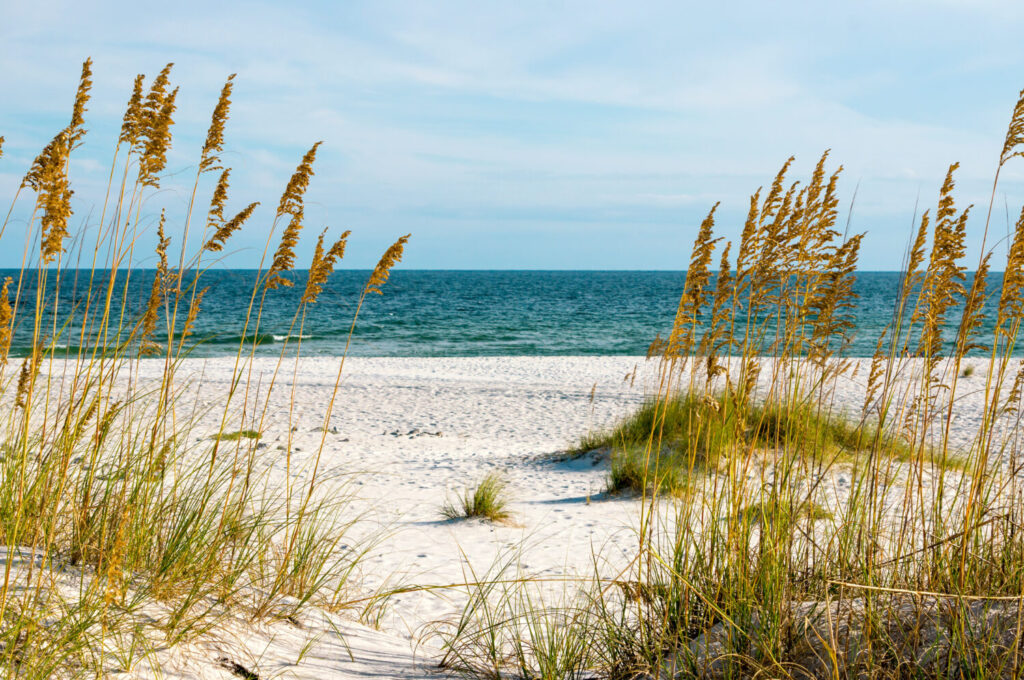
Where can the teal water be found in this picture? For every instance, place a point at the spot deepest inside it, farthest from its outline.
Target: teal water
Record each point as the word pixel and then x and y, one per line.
pixel 455 313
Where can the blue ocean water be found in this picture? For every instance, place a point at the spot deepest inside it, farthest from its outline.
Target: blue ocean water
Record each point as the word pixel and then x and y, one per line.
pixel 447 313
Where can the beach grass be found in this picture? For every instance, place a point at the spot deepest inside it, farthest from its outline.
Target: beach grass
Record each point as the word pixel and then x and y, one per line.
pixel 124 533
pixel 236 435
pixel 487 500
pixel 776 537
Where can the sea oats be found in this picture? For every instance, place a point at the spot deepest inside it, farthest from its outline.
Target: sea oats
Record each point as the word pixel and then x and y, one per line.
pixel 158 292
pixel 1014 142
pixel 695 293
pixel 48 178
pixel 323 265
pixel 215 215
pixel 27 375
pixel 131 126
pixel 291 199
pixel 6 320
pixel 943 280
pixel 224 231
pixel 771 201
pixel 717 335
pixel 76 129
pixel 215 135
pixel 1011 302
pixel 382 271
pixel 291 204
pixel 157 135
pixel 973 314
pixel 193 314
pixel 154 128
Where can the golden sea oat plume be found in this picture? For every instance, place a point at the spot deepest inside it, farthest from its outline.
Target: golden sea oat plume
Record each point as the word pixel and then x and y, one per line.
pixel 1014 133
pixel 131 127
pixel 155 128
pixel 748 242
pixel 323 265
pixel 29 369
pixel 943 280
pixel 156 295
pixel 831 301
pixel 695 292
pixel 224 231
pixel 193 313
pixel 6 320
pixel 291 199
pixel 974 313
pixel 215 216
pixel 1 146
pixel 76 130
pixel 717 336
pixel 291 204
pixel 48 178
pixel 382 271
pixel 1011 299
pixel 772 201
pixel 215 136
pixel 1011 405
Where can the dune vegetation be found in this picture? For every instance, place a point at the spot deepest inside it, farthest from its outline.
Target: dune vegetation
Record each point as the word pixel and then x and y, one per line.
pixel 124 532
pixel 777 537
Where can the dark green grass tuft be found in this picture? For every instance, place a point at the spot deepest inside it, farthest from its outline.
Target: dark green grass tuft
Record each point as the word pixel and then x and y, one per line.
pixel 235 436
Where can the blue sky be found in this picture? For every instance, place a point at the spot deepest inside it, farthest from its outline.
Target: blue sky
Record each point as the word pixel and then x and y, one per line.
pixel 551 135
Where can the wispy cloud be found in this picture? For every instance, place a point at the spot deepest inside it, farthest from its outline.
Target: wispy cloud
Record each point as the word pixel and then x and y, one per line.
pixel 468 123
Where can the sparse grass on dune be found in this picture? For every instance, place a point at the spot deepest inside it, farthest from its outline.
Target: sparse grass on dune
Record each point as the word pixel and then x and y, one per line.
pixel 487 500
pixel 124 533
pixel 696 432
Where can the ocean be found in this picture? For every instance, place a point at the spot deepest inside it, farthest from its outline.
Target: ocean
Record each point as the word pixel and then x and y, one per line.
pixel 449 313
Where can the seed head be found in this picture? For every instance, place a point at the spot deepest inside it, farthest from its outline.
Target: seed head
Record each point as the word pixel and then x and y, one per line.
pixel 131 128
pixel 76 130
pixel 382 271
pixel 215 136
pixel 6 320
pixel 323 265
pixel 225 230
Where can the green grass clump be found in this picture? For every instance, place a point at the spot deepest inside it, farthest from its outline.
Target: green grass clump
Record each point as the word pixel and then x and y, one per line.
pixel 489 500
pixel 237 435
pixel 696 433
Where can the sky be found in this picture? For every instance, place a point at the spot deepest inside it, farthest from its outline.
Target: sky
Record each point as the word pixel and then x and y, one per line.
pixel 532 134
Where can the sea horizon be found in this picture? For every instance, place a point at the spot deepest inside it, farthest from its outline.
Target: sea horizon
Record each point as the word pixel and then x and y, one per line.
pixel 438 313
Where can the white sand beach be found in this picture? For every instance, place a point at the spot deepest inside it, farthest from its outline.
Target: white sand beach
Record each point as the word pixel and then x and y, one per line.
pixel 406 434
